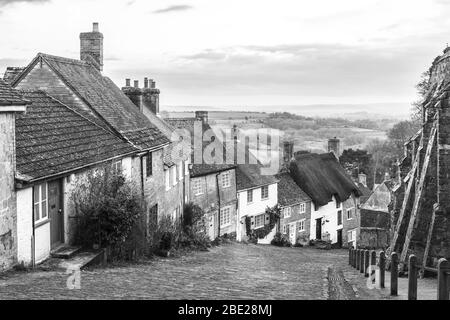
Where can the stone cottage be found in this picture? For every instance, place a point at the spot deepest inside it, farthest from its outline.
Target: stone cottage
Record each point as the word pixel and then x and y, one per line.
pixel 295 205
pixel 12 104
pixel 80 119
pixel 335 197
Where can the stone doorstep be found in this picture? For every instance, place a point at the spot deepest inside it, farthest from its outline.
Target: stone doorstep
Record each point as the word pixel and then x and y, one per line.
pixel 65 252
pixel 83 260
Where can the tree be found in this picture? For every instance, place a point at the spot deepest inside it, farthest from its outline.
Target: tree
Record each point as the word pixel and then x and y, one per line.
pixel 384 156
pixel 400 133
pixel 422 89
pixel 361 159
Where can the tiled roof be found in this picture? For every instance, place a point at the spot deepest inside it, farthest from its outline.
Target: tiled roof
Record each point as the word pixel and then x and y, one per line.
pixel 249 176
pixel 9 96
pixel 289 193
pixel 198 169
pixel 110 105
pixel 52 139
pixel 321 176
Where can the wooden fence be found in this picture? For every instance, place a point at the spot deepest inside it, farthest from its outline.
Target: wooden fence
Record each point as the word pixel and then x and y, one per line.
pixel 369 263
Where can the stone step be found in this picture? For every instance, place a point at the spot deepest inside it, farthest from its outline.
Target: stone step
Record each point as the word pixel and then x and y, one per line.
pixel 65 252
pixel 83 260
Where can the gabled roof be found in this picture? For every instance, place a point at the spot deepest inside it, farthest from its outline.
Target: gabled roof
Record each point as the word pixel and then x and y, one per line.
pixel 199 169
pixel 249 176
pixel 289 193
pixel 109 104
pixel 321 176
pixel 53 139
pixel 10 96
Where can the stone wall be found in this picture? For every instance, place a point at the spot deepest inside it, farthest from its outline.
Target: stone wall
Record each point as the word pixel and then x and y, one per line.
pixel 8 217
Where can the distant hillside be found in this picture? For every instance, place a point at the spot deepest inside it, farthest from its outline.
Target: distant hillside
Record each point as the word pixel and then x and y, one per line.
pixel 374 111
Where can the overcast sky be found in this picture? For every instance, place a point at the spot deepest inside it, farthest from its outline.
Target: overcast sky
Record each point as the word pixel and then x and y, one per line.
pixel 243 52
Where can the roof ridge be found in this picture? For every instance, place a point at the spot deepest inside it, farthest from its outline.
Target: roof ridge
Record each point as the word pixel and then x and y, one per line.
pixel 64 59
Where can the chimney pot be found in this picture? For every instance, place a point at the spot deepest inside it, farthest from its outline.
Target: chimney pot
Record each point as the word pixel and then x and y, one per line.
pixel 127 82
pixel 136 83
pixel 95 27
pixel 145 83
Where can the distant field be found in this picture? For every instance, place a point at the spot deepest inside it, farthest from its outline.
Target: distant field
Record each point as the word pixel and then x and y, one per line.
pixel 304 139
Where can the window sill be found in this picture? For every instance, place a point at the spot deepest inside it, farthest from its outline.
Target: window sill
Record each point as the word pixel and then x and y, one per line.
pixel 225 225
pixel 41 223
pixel 265 199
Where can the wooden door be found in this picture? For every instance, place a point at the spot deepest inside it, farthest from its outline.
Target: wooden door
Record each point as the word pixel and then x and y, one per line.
pixel 339 238
pixel 55 213
pixel 319 229
pixel 292 233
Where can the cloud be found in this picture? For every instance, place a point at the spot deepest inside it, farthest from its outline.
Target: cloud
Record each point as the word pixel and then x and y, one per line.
pixel 182 7
pixel 7 2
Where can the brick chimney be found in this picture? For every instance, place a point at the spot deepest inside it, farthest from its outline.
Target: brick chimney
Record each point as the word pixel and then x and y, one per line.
pixel 91 47
pixel 202 115
pixel 334 145
pixel 150 98
pixel 134 93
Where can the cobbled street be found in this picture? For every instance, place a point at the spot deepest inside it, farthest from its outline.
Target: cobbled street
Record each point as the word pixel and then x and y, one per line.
pixel 232 271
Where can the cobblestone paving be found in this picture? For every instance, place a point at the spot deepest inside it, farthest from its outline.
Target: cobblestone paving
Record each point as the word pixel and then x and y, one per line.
pixel 235 271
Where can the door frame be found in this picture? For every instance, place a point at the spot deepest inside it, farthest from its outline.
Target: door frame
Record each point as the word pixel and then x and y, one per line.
pixel 319 227
pixel 60 201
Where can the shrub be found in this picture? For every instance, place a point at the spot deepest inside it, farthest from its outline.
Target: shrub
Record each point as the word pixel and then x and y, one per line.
pixel 280 240
pixel 109 213
pixel 190 233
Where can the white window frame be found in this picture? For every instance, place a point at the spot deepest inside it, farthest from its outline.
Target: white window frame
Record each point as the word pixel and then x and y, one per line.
pixel 167 178
pixel 302 207
pixel 350 210
pixel 42 204
pixel 250 192
pixel 287 212
pixel 351 235
pixel 174 175
pixel 284 229
pixel 262 193
pixel 225 216
pixel 226 180
pixel 342 218
pixel 197 186
pixel 301 225
pixel 117 166
pixel 262 216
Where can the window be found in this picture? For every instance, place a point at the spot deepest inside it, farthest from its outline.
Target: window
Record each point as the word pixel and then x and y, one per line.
pixel 287 212
pixel 40 202
pixel 302 207
pixel 174 175
pixel 197 186
pixel 285 229
pixel 350 214
pixel 259 221
pixel 301 225
pixel 249 196
pixel 181 170
pixel 351 236
pixel 226 182
pixel 117 166
pixel 339 217
pixel 338 204
pixel 167 178
pixel 225 216
pixel 265 192
pixel 149 164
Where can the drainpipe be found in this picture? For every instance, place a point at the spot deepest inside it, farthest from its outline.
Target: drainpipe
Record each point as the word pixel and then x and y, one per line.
pixel 33 238
pixel 218 200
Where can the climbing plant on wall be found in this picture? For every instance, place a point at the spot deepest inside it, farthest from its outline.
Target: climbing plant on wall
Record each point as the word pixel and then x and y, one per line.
pixel 274 214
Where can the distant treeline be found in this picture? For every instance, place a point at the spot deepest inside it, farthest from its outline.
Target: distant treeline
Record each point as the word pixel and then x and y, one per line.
pixel 285 121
